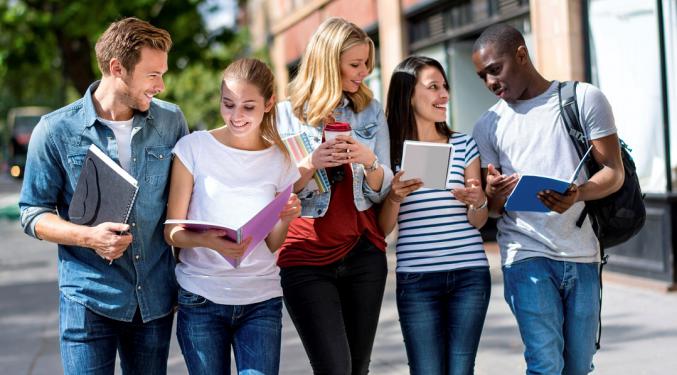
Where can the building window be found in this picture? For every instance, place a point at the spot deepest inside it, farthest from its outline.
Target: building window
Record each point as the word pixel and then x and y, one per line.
pixel 626 65
pixel 670 22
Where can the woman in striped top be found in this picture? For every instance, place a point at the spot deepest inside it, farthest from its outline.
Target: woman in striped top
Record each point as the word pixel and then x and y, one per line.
pixel 443 283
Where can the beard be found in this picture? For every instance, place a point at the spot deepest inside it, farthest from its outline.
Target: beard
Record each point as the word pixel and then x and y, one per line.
pixel 137 102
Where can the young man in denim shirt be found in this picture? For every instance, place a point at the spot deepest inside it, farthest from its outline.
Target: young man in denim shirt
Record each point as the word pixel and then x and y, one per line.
pixel 550 266
pixel 117 290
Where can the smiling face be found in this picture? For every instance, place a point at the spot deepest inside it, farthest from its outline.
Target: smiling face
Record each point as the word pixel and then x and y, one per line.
pixel 504 74
pixel 354 67
pixel 242 109
pixel 137 87
pixel 431 96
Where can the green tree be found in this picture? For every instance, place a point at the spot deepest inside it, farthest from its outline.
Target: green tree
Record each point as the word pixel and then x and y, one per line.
pixel 47 51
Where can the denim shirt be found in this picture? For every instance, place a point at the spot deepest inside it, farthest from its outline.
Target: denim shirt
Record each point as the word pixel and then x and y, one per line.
pixel 369 127
pixel 144 275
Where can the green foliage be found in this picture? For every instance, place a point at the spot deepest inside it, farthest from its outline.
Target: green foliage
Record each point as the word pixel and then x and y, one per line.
pixel 196 90
pixel 47 51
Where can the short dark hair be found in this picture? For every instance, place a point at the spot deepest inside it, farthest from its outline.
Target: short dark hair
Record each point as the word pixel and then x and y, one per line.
pixel 399 113
pixel 505 38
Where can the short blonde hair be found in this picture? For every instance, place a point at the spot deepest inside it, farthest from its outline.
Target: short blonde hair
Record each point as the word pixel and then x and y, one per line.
pixel 125 38
pixel 317 90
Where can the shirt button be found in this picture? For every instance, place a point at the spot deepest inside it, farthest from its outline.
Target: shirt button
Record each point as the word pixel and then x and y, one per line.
pixel 161 156
pixel 133 224
pixel 138 287
pixel 319 211
pixel 134 160
pixel 137 258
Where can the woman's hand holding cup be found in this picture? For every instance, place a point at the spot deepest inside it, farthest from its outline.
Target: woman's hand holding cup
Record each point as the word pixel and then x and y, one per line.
pixel 323 156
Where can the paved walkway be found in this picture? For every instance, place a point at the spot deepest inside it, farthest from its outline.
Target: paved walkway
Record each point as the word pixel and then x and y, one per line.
pixel 639 337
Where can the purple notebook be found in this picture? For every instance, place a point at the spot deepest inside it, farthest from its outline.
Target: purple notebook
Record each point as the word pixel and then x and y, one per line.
pixel 258 227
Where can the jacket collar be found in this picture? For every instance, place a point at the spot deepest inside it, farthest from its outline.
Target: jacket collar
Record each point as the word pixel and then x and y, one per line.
pixel 90 115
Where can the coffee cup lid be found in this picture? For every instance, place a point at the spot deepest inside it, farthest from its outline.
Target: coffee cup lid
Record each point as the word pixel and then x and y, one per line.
pixel 337 126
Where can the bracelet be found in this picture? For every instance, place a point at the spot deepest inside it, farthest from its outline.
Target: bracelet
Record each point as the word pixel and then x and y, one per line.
pixel 483 205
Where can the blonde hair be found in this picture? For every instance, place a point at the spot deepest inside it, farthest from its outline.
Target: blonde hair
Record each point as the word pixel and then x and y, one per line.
pixel 257 73
pixel 125 38
pixel 317 90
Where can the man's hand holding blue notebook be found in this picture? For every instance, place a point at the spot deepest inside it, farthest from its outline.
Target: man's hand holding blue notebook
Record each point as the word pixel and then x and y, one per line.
pixel 525 195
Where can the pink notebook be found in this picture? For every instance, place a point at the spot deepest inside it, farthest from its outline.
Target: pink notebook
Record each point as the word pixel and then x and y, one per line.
pixel 258 227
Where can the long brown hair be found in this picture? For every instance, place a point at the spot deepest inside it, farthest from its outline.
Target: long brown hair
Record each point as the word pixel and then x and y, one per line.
pixel 257 73
pixel 399 112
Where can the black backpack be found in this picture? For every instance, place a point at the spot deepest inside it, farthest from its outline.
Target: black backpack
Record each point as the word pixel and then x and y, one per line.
pixel 617 217
pixel 621 215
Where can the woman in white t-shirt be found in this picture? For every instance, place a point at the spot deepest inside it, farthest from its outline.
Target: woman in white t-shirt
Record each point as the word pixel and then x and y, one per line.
pixel 443 282
pixel 225 176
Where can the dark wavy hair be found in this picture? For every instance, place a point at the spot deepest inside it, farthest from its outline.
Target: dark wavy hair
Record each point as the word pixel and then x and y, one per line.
pixel 399 113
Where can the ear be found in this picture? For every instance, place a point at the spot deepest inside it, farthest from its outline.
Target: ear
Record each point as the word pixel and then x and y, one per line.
pixel 116 68
pixel 270 104
pixel 522 54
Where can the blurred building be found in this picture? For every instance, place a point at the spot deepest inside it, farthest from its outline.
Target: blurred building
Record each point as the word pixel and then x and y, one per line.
pixel 628 48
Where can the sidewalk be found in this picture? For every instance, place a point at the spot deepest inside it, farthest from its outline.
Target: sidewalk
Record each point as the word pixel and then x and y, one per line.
pixel 639 336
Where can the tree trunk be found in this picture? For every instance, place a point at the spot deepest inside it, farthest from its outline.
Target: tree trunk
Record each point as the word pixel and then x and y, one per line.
pixel 76 54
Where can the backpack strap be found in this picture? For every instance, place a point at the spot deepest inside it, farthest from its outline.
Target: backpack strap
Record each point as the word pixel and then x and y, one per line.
pixel 572 120
pixel 568 107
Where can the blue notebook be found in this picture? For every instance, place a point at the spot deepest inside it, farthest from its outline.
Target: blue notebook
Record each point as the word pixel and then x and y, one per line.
pixel 524 196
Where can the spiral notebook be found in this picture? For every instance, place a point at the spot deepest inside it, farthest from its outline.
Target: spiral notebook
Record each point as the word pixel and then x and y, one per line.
pixel 104 192
pixel 299 147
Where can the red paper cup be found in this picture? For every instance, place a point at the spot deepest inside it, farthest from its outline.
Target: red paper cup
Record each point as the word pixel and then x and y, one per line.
pixel 334 129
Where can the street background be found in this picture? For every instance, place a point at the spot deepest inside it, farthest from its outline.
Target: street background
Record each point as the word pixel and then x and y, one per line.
pixel 639 324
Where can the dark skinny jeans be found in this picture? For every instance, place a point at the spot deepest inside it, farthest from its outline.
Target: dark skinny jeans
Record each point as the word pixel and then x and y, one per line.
pixel 335 308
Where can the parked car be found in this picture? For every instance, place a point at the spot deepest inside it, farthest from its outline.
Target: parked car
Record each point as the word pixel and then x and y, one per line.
pixel 20 124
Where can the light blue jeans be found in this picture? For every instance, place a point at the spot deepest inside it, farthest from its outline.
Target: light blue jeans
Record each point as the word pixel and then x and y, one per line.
pixel 556 305
pixel 90 342
pixel 207 330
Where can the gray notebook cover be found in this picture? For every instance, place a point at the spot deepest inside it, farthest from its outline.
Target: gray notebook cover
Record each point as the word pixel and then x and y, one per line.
pixel 104 193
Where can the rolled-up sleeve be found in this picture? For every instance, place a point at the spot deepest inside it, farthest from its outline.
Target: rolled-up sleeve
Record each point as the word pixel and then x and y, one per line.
pixel 43 179
pixel 382 151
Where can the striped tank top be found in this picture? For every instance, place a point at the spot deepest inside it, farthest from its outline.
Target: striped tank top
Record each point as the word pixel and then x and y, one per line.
pixel 434 231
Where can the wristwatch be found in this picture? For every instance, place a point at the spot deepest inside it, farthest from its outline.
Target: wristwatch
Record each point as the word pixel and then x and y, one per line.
pixel 373 166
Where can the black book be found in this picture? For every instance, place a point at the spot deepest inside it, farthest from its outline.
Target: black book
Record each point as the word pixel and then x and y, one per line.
pixel 104 193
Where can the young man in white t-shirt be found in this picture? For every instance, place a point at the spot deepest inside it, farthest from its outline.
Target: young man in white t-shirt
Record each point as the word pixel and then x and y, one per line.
pixel 550 266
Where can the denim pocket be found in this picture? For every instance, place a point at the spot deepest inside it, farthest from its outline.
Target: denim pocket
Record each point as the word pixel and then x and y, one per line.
pixel 158 162
pixel 404 278
pixel 366 132
pixel 76 156
pixel 76 159
pixel 187 298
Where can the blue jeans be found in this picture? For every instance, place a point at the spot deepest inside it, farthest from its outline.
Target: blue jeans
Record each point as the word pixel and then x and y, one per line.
pixel 556 305
pixel 442 315
pixel 89 342
pixel 206 331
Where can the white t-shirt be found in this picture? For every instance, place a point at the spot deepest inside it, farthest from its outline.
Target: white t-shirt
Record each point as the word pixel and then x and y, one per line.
pixel 230 186
pixel 529 137
pixel 434 232
pixel 123 136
